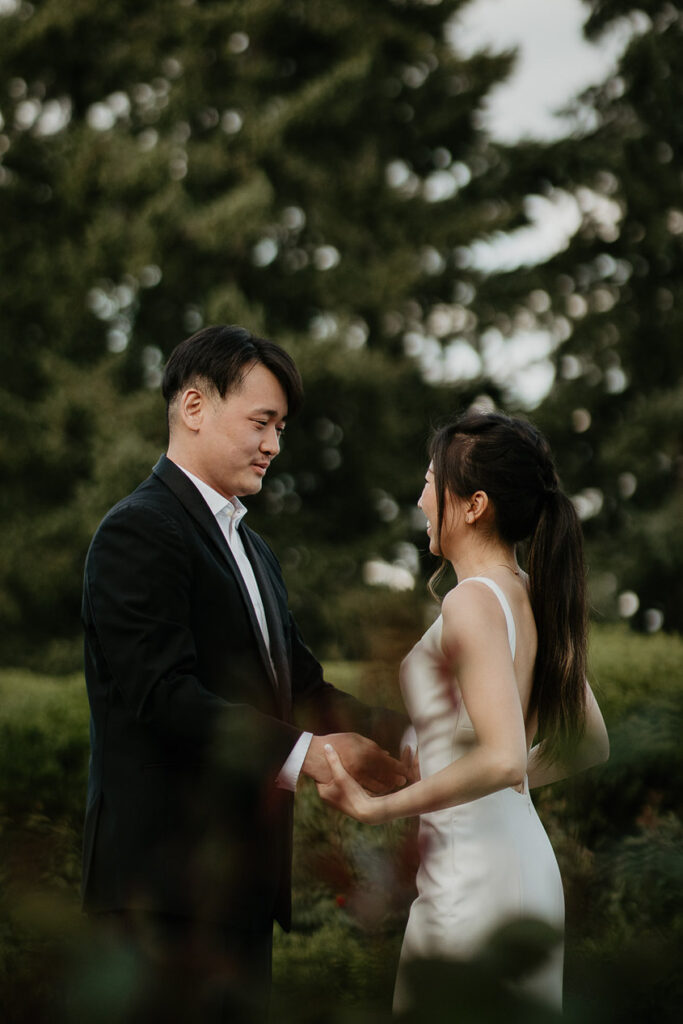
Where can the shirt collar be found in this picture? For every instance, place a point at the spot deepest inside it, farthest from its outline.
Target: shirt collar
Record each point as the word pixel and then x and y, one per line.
pixel 231 507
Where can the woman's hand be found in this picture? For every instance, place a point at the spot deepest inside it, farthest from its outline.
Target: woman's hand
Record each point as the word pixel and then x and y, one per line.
pixel 347 795
pixel 373 767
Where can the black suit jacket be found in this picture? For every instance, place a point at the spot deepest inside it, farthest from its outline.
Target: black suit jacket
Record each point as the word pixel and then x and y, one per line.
pixel 190 725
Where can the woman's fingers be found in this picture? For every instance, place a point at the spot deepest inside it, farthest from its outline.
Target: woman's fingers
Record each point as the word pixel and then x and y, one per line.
pixel 410 760
pixel 334 761
pixel 343 791
pixel 342 787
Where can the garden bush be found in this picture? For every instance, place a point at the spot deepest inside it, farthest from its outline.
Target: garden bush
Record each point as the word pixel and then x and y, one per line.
pixel 617 831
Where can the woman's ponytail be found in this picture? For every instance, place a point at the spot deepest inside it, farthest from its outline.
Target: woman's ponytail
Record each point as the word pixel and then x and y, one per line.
pixel 558 599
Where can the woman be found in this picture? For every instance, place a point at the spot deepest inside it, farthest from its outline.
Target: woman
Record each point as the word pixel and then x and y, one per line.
pixel 503 663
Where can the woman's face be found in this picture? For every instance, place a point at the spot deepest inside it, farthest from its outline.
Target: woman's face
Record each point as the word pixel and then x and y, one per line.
pixel 427 502
pixel 452 514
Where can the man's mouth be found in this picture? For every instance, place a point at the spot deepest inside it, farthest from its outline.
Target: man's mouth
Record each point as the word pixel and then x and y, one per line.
pixel 260 467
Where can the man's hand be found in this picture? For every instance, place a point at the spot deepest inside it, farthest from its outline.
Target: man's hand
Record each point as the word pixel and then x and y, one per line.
pixel 344 793
pixel 375 769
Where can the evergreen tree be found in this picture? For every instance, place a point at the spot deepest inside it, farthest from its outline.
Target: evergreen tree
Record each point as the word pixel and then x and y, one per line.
pixel 613 302
pixel 311 169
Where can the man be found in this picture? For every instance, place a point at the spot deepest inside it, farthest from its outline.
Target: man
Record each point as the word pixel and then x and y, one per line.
pixel 196 674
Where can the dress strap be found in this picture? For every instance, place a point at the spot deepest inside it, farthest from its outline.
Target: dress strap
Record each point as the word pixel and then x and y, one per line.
pixel 505 605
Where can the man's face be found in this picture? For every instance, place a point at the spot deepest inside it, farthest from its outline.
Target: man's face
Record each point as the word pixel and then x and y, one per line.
pixel 239 435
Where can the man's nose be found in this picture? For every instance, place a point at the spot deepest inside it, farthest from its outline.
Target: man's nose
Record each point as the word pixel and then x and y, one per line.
pixel 271 442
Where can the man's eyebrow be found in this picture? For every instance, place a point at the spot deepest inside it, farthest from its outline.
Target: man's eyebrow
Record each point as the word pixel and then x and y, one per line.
pixel 273 413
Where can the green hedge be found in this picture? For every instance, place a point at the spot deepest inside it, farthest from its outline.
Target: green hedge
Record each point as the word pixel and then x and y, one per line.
pixel 43 744
pixel 617 832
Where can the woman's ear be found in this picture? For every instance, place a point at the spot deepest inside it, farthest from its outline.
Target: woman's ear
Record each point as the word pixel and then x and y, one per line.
pixel 478 504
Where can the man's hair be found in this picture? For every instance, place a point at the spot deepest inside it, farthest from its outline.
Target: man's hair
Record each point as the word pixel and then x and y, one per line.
pixel 219 357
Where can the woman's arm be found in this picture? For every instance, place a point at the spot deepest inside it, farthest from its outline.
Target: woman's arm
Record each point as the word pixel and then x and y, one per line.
pixel 593 748
pixel 476 651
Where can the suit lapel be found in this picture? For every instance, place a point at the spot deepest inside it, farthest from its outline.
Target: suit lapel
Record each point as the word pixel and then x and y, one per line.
pixel 278 645
pixel 194 503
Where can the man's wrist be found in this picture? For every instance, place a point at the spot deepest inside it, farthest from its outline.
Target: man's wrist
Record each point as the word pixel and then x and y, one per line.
pixel 288 776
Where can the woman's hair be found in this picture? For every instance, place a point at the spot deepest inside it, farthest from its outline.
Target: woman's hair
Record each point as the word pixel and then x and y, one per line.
pixel 219 357
pixel 511 461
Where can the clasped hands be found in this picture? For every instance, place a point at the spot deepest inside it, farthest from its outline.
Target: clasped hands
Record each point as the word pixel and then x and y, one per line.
pixel 352 773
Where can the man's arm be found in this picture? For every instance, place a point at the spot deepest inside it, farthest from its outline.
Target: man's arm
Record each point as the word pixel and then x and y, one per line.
pixel 319 708
pixel 322 708
pixel 338 718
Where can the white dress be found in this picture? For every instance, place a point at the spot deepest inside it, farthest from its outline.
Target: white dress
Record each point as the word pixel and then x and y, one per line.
pixel 485 862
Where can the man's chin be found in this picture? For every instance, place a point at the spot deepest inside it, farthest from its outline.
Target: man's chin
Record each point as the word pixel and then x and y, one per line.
pixel 249 489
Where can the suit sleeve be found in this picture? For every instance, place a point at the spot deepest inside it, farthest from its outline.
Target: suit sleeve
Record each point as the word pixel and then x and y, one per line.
pixel 321 708
pixel 138 614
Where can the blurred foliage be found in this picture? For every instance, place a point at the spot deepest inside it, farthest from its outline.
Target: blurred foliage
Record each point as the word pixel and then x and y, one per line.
pixel 318 172
pixel 43 729
pixel 617 832
pixel 294 167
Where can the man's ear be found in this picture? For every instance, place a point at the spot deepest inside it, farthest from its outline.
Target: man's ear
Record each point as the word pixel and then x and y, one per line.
pixel 191 408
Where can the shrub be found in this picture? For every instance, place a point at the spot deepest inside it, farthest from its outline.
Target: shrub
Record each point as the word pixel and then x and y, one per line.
pixel 616 830
pixel 43 745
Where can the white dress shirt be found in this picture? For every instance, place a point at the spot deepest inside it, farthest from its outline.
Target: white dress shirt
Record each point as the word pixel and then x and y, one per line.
pixel 228 513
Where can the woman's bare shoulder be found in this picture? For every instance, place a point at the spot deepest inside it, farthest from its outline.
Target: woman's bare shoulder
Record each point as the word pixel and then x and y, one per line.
pixel 467 612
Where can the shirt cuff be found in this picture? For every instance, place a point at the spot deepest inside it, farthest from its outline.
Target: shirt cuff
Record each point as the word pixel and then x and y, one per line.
pixel 291 769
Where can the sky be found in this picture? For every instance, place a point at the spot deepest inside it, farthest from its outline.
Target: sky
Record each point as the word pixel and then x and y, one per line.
pixel 555 62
